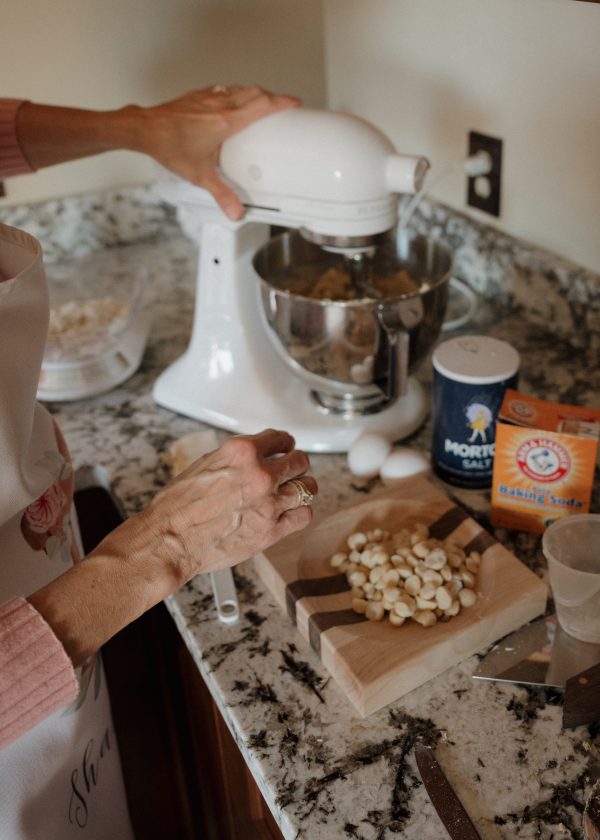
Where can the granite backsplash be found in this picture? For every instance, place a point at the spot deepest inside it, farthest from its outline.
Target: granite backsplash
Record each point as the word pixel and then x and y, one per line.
pixel 550 291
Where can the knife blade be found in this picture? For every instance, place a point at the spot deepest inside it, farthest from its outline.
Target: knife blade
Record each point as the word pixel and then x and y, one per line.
pixel 449 808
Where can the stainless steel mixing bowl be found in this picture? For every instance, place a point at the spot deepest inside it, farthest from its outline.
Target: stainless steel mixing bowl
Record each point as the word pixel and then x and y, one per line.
pixel 356 354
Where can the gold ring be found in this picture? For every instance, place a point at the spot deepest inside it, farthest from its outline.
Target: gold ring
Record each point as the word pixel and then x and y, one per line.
pixel 305 497
pixel 219 89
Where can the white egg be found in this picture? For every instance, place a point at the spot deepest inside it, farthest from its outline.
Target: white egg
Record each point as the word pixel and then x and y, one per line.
pixel 403 462
pixel 367 454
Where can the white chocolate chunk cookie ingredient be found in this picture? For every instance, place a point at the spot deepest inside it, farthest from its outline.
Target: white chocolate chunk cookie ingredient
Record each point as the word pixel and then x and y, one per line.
pixel 408 575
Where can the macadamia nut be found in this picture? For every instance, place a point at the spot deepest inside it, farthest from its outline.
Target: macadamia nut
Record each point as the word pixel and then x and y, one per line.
pixel 408 575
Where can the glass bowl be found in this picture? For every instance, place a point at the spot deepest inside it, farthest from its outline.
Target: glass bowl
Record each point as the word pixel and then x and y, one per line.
pixel 98 325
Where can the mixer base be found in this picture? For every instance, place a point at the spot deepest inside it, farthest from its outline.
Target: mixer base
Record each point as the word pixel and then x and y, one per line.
pixel 292 408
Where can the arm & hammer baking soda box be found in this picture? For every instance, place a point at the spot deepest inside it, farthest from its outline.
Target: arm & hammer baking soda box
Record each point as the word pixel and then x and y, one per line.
pixel 544 461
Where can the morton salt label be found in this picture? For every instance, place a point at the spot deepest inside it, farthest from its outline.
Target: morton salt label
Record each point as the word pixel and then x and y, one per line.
pixel 544 463
pixel 470 377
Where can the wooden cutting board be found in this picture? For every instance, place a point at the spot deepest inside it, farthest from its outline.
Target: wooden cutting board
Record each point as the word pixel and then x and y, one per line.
pixel 375 663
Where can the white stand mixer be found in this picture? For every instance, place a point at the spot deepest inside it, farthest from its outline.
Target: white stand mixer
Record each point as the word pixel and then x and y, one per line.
pixel 337 179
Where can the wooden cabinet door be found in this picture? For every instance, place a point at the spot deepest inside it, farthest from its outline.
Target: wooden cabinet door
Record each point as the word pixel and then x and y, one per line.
pixel 184 774
pixel 236 805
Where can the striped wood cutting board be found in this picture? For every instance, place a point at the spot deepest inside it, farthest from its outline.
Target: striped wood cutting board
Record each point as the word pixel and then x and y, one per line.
pixel 373 662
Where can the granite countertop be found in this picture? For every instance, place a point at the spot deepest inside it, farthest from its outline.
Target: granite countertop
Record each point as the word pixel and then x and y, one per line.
pixel 324 771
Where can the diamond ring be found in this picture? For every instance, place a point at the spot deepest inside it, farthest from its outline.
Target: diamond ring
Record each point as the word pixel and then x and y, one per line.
pixel 305 497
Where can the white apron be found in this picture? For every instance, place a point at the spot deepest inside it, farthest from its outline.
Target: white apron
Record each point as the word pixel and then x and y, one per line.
pixel 62 779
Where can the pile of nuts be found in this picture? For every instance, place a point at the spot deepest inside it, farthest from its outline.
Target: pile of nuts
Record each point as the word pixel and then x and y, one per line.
pixel 408 574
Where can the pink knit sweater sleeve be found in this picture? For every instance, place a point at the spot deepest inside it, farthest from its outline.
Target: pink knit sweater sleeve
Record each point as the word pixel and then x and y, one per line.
pixel 12 159
pixel 36 675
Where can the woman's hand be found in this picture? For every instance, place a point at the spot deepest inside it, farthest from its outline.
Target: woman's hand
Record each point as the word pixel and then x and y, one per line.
pixel 228 505
pixel 186 135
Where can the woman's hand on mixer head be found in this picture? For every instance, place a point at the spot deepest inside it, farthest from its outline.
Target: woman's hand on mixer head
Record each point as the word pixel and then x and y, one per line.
pixel 227 506
pixel 184 135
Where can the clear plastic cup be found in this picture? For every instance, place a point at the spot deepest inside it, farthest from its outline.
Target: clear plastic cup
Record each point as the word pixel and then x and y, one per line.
pixel 571 546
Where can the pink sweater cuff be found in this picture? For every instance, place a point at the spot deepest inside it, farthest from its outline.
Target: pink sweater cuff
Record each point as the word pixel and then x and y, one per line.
pixel 36 675
pixel 12 159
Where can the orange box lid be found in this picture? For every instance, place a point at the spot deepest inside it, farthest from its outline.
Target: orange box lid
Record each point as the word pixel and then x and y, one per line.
pixel 525 410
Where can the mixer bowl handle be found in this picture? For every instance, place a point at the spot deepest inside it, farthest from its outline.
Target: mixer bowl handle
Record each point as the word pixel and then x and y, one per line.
pixel 396 320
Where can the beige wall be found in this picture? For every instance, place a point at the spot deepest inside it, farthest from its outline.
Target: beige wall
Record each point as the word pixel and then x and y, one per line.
pixel 426 71
pixel 527 71
pixel 104 53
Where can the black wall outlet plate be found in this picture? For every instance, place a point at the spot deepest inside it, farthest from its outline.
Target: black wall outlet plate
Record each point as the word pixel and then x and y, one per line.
pixel 483 191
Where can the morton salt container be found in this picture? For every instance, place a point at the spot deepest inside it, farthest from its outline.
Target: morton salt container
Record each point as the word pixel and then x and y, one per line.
pixel 470 376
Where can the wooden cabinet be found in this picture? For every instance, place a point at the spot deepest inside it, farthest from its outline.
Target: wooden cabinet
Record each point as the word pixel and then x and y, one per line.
pixel 185 776
pixel 232 802
pixel 184 773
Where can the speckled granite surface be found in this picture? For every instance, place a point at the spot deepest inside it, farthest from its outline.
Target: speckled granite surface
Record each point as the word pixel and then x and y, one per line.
pixel 325 772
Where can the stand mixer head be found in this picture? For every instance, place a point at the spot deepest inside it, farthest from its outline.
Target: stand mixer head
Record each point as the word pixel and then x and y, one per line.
pixel 332 175
pixel 336 179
